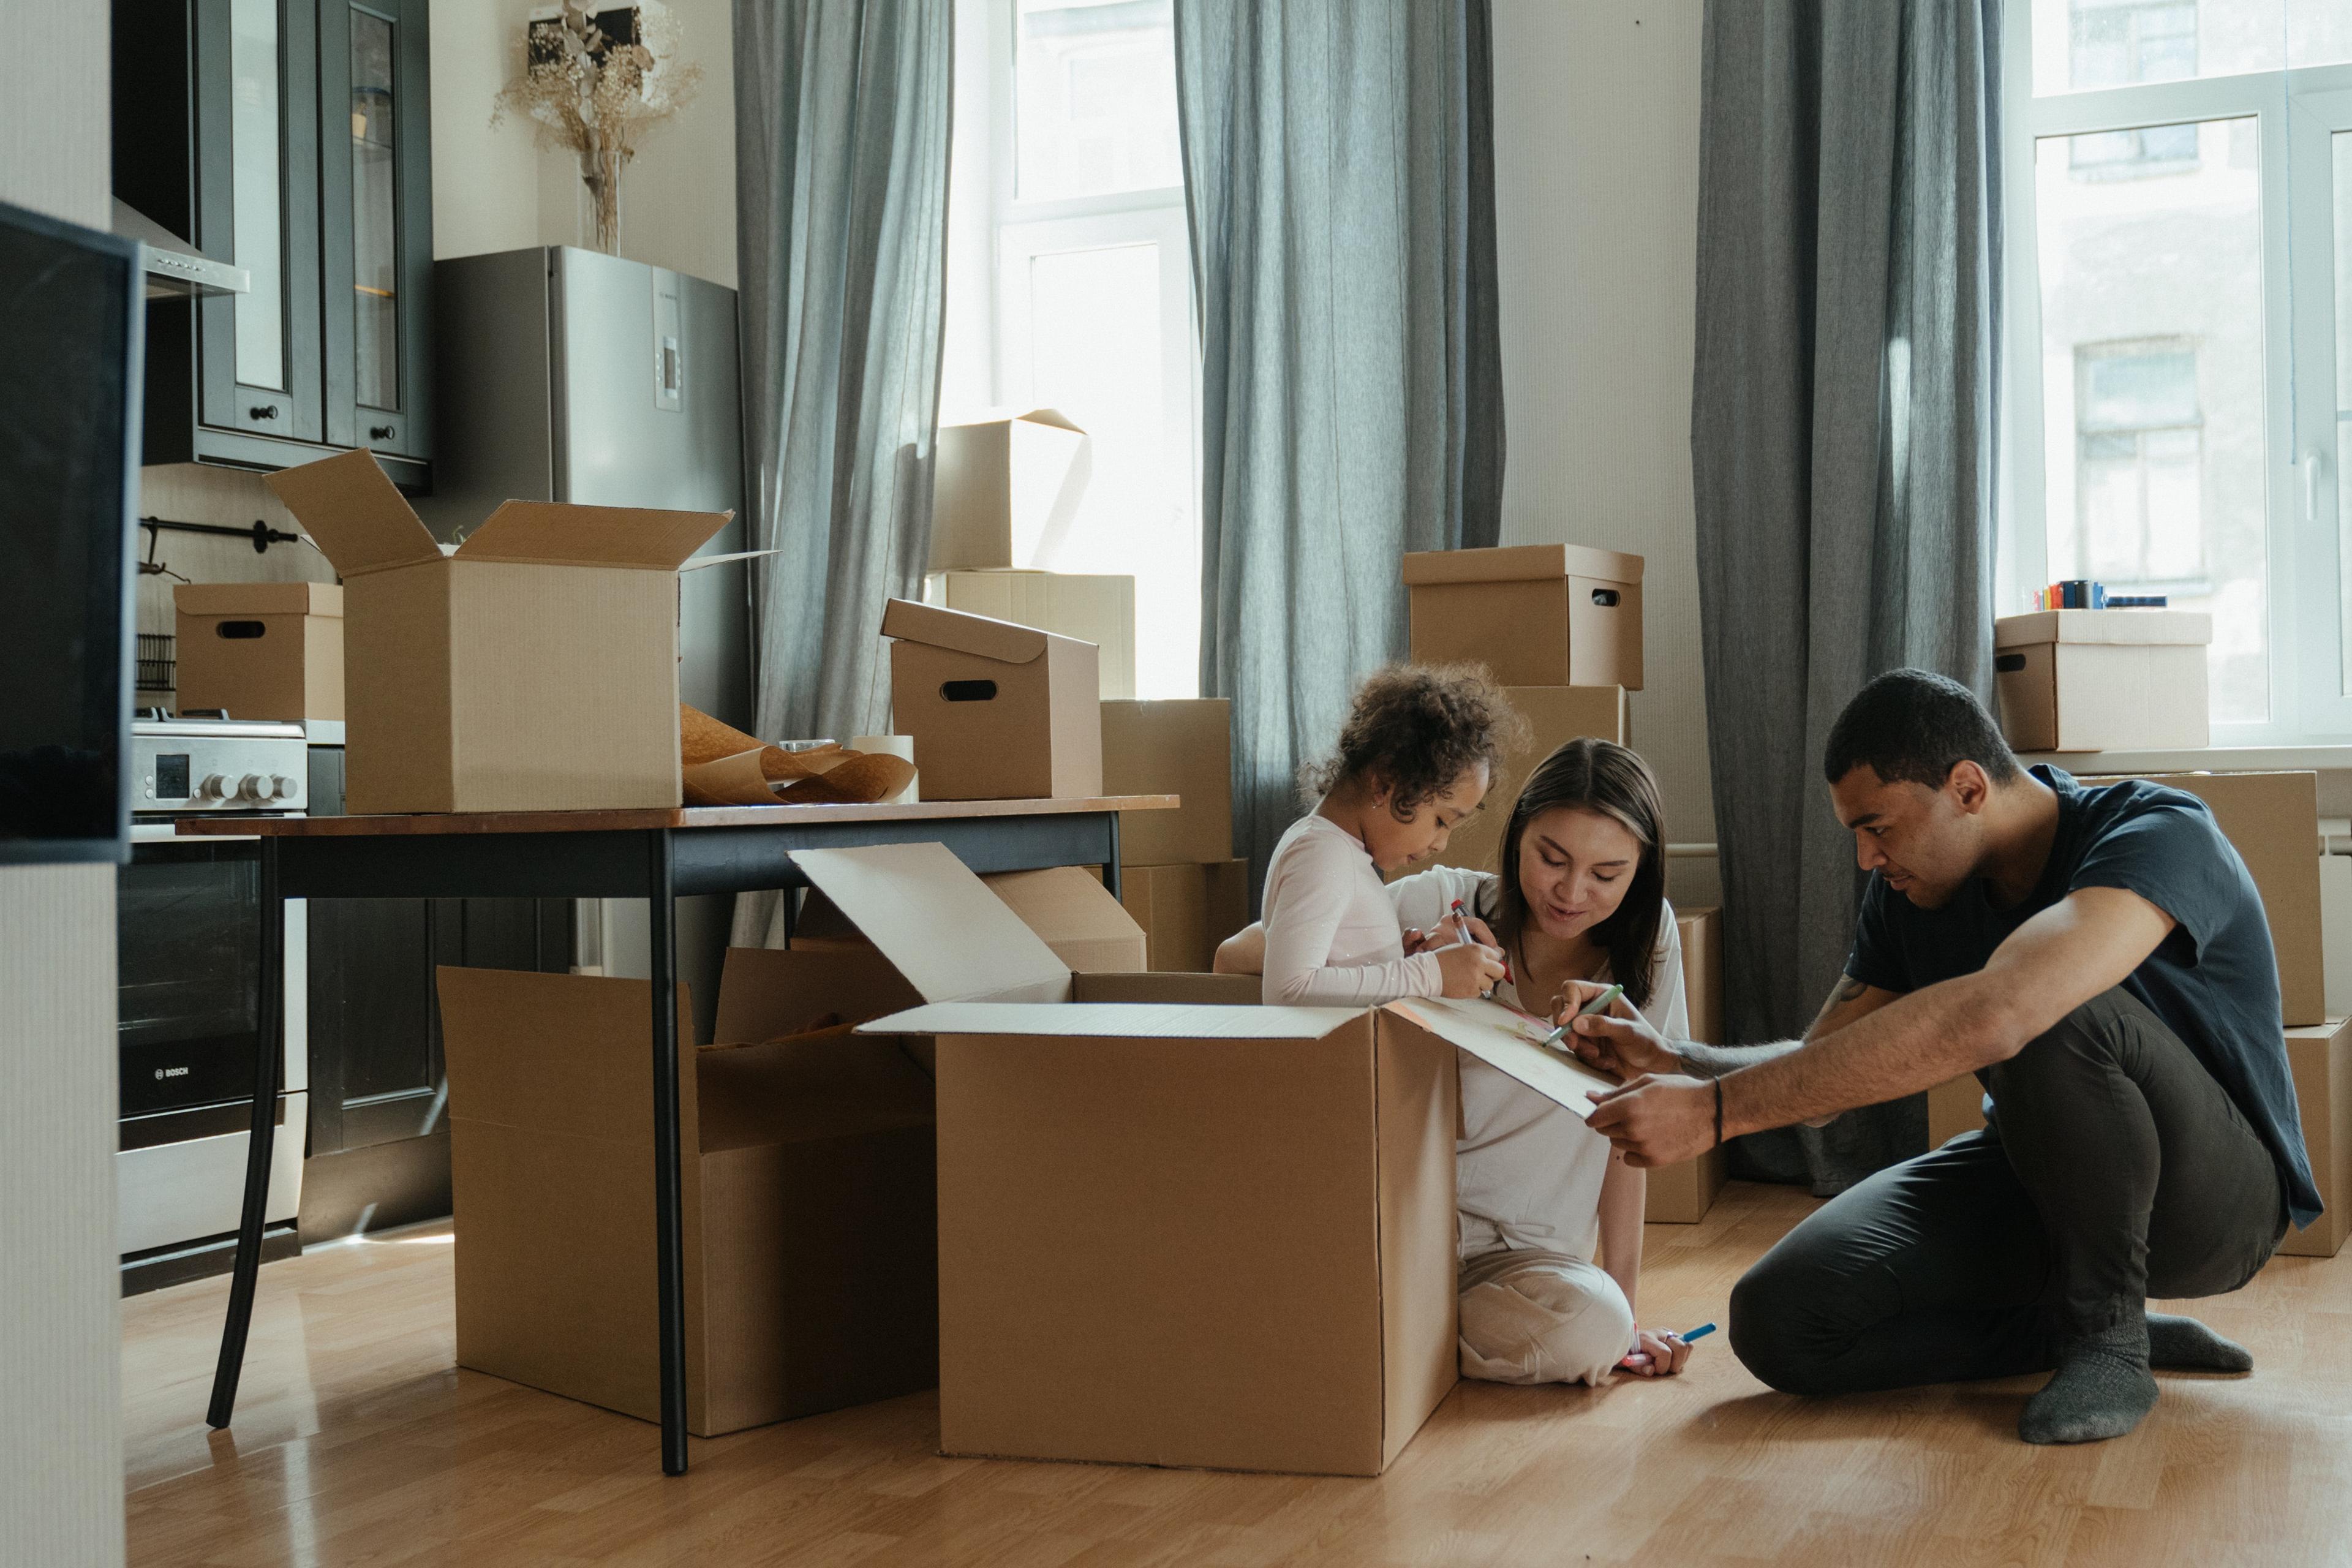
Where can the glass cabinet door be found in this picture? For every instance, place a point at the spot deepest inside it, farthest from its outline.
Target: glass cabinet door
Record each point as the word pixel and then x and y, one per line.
pixel 378 251
pixel 375 215
pixel 257 192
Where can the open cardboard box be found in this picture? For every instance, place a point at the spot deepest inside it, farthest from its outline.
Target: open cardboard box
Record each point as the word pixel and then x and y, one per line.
pixel 1173 1231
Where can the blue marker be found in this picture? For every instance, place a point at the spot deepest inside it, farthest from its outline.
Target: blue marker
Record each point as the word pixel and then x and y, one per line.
pixel 1642 1358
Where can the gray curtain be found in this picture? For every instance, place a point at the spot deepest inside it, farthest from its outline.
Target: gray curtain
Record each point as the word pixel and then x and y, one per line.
pixel 1338 172
pixel 842 126
pixel 1843 430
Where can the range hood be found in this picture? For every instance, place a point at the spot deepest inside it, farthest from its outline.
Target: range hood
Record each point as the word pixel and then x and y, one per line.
pixel 175 269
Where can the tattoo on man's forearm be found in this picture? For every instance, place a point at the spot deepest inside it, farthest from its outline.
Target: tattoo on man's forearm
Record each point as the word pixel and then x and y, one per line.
pixel 1847 989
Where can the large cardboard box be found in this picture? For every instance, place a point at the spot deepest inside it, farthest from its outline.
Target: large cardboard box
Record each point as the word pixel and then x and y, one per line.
pixel 2321 1059
pixel 1186 910
pixel 2089 681
pixel 1954 1106
pixel 809 1195
pixel 2273 819
pixel 1099 610
pixel 1073 914
pixel 997 712
pixel 1006 490
pixel 1681 1195
pixel 1183 748
pixel 1534 614
pixel 1554 714
pixel 533 669
pixel 260 650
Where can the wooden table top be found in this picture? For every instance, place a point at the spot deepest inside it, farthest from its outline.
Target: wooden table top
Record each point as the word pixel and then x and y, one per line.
pixel 640 819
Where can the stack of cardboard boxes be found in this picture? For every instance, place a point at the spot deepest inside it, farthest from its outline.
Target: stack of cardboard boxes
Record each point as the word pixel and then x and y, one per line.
pixel 1177 872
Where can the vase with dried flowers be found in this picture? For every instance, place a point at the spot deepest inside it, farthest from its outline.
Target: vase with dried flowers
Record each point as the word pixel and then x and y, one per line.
pixel 596 79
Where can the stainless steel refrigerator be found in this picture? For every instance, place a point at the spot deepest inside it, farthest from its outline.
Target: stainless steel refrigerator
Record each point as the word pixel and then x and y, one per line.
pixel 570 376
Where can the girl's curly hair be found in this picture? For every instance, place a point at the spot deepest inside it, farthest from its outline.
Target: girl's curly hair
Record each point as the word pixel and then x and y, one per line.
pixel 1417 727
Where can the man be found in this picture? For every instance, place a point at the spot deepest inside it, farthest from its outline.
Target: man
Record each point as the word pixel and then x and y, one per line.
pixel 2100 960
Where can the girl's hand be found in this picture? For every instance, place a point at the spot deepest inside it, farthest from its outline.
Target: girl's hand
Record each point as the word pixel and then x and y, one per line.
pixel 1656 1355
pixel 1469 969
pixel 1415 941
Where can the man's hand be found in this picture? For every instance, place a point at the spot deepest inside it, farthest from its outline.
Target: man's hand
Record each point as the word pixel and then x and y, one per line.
pixel 1657 1120
pixel 1621 1044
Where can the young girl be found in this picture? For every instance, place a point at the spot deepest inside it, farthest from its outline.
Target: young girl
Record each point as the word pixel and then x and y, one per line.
pixel 1414 758
pixel 1578 899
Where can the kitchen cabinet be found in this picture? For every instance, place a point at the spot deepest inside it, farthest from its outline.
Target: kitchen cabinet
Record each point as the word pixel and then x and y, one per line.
pixel 291 138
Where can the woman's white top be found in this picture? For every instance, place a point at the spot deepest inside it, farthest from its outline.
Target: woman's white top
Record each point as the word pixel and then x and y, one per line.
pixel 1331 934
pixel 1527 1172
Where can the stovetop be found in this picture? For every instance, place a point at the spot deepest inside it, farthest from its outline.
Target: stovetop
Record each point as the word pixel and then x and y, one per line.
pixel 195 762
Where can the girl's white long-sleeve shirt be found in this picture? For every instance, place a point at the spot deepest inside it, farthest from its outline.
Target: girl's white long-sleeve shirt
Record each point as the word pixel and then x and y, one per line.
pixel 1332 933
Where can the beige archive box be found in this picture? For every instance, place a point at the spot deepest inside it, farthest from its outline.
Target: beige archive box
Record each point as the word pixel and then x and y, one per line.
pixel 259 650
pixel 996 711
pixel 807 1167
pixel 1681 1195
pixel 1554 714
pixel 1095 609
pixel 2090 680
pixel 1534 614
pixel 1179 747
pixel 534 668
pixel 1005 489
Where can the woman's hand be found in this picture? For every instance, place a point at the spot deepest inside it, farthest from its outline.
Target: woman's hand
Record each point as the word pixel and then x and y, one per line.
pixel 1470 969
pixel 1656 1355
pixel 1621 1044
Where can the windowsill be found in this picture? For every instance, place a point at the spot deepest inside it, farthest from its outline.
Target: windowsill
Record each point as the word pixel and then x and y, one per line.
pixel 2208 759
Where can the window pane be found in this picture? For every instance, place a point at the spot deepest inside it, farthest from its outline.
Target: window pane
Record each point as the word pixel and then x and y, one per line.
pixel 2079 44
pixel 2343 145
pixel 2152 382
pixel 258 247
pixel 375 254
pixel 2318 33
pixel 1097 349
pixel 1094 98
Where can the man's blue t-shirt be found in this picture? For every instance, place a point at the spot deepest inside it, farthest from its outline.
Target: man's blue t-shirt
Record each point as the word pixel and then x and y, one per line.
pixel 2213 980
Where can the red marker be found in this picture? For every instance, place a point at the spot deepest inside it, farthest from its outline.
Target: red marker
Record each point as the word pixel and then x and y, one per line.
pixel 1462 925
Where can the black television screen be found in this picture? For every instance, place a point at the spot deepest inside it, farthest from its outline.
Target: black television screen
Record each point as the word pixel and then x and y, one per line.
pixel 71 314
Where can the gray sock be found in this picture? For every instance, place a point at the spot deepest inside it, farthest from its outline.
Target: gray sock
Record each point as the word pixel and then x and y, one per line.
pixel 2102 1388
pixel 2184 1344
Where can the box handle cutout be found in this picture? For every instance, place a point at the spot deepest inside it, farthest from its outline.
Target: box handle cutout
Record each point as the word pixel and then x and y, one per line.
pixel 969 690
pixel 1605 597
pixel 235 630
pixel 2008 663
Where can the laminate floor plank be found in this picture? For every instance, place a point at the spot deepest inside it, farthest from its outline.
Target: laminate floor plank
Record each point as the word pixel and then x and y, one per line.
pixel 359 1445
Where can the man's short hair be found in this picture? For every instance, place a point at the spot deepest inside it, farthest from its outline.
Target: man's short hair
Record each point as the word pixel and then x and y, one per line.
pixel 1915 726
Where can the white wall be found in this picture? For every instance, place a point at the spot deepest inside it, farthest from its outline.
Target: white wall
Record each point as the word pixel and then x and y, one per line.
pixel 1596 196
pixel 61 1444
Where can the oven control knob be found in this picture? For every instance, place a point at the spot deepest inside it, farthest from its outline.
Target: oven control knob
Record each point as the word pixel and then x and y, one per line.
pixel 285 788
pixel 216 786
pixel 256 786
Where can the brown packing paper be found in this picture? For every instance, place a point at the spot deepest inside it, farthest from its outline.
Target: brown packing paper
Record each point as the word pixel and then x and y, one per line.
pixel 724 766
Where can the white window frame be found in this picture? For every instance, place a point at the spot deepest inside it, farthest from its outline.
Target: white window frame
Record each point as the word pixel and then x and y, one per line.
pixel 2296 113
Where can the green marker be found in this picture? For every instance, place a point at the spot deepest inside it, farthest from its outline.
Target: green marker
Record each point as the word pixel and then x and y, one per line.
pixel 1599 1004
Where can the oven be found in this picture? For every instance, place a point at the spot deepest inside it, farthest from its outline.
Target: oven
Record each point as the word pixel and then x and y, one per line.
pixel 188 929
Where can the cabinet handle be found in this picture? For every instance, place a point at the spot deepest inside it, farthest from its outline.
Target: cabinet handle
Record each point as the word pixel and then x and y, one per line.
pixel 263 411
pixel 380 432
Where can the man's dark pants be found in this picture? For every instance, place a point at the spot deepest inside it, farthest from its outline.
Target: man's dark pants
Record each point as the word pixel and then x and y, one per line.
pixel 2115 1168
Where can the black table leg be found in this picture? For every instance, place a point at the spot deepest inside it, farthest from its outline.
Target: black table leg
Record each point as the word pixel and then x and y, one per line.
pixel 669 1244
pixel 269 1068
pixel 1110 867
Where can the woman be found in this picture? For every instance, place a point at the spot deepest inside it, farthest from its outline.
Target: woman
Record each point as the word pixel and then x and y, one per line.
pixel 1579 895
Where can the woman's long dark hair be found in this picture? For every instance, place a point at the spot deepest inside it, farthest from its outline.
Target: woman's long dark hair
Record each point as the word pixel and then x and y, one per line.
pixel 1597 775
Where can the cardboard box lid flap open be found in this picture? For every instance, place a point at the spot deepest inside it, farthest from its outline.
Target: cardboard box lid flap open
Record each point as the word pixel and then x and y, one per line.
pixel 259 599
pixel 1117 1020
pixel 1515 562
pixel 937 923
pixel 552 534
pixel 2139 628
pixel 963 632
pixel 1497 1036
pixel 354 514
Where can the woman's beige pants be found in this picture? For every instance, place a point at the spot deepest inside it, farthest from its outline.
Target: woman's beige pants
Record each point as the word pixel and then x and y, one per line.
pixel 1541 1317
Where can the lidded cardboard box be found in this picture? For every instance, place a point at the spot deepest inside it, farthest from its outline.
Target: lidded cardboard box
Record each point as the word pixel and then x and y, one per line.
pixel 1554 714
pixel 2091 680
pixel 997 712
pixel 534 668
pixel 1179 747
pixel 260 650
pixel 1005 489
pixel 1534 614
pixel 1095 609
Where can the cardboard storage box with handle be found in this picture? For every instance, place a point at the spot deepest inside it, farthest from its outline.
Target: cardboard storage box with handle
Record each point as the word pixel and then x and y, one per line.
pixel 1095 609
pixel 259 650
pixel 996 711
pixel 534 668
pixel 1534 614
pixel 2089 681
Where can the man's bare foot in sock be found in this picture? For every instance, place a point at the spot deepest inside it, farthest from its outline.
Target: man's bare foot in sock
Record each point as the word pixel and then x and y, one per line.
pixel 2184 1344
pixel 2102 1388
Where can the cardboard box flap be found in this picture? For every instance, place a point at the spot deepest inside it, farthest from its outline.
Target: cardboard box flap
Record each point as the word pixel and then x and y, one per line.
pixel 550 534
pixel 2140 627
pixel 1506 1040
pixel 1074 913
pixel 1117 1020
pixel 936 922
pixel 963 632
pixel 766 994
pixel 1515 562
pixel 226 599
pixel 353 513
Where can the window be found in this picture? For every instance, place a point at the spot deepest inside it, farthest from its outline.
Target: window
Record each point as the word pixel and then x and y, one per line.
pixel 1070 285
pixel 2178 366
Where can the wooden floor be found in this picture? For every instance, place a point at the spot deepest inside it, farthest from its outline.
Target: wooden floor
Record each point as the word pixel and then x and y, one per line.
pixel 357 1443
